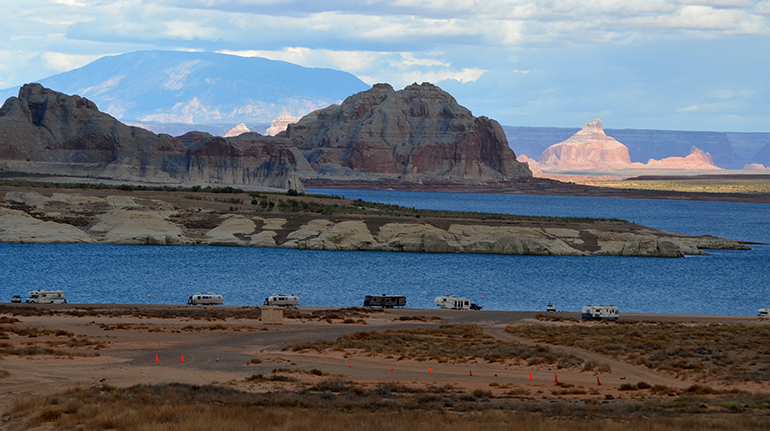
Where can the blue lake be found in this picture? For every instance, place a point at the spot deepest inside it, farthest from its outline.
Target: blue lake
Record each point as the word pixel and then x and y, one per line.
pixel 727 282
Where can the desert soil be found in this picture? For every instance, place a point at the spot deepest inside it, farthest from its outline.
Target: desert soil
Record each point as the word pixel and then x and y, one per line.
pixel 220 351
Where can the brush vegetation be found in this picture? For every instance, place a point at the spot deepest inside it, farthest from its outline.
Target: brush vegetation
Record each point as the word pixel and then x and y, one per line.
pixel 714 351
pixel 336 404
pixel 447 343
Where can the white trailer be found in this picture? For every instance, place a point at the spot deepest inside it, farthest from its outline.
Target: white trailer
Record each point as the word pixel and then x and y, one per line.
pixel 46 297
pixel 764 312
pixel 600 312
pixel 282 300
pixel 205 299
pixel 452 302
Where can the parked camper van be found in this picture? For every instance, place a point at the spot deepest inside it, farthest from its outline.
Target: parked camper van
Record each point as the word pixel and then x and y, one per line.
pixel 282 300
pixel 550 307
pixel 384 301
pixel 764 312
pixel 452 302
pixel 46 297
pixel 205 299
pixel 601 312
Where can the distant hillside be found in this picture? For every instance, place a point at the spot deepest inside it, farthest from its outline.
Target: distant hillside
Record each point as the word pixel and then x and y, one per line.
pixel 201 88
pixel 728 150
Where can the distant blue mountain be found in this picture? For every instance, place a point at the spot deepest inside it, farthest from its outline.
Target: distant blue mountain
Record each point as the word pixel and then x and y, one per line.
pixel 201 88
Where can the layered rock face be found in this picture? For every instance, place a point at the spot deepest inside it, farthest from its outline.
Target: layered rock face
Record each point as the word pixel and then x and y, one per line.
pixel 696 160
pixel 418 132
pixel 43 131
pixel 31 217
pixel 590 148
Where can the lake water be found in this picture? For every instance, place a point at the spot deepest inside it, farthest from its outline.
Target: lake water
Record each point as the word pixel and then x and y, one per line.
pixel 727 282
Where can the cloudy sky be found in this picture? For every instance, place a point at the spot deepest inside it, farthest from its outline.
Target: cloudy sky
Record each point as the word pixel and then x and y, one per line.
pixel 651 64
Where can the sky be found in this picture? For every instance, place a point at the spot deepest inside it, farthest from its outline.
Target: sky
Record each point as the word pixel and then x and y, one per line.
pixel 643 64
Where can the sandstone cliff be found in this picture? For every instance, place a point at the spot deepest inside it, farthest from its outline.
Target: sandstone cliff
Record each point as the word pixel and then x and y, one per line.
pixel 43 131
pixel 588 149
pixel 418 132
pixel 30 216
pixel 696 160
pixel 591 149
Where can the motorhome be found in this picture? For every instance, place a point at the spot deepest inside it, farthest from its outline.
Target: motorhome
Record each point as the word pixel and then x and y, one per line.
pixel 384 301
pixel 205 299
pixel 46 297
pixel 452 302
pixel 600 312
pixel 764 312
pixel 282 300
pixel 550 307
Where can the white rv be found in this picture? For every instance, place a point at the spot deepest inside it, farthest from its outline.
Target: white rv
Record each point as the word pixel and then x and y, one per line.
pixel 282 300
pixel 46 297
pixel 452 302
pixel 205 299
pixel 764 312
pixel 601 312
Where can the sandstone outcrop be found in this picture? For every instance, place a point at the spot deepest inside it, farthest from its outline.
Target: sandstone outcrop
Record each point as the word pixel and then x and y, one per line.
pixel 417 132
pixel 43 131
pixel 237 130
pixel 588 149
pixel 280 124
pixel 696 160
pixel 591 149
pixel 126 220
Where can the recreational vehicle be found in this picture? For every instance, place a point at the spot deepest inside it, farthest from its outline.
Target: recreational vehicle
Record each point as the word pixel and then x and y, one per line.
pixel 600 312
pixel 205 299
pixel 384 301
pixel 452 302
pixel 46 297
pixel 764 312
pixel 282 300
pixel 550 307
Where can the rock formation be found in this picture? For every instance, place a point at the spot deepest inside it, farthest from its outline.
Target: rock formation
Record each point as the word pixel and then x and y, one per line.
pixel 413 134
pixel 43 131
pixel 30 217
pixel 591 149
pixel 279 124
pixel 418 132
pixel 696 160
pixel 588 149
pixel 237 130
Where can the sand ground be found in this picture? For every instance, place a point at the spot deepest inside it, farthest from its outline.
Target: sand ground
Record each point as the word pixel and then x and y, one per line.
pixel 221 351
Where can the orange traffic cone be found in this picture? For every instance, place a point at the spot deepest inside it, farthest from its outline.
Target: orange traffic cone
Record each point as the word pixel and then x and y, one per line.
pixel 391 368
pixel 555 378
pixel 429 370
pixel 530 376
pixel 182 358
pixel 350 365
pixel 471 373
pixel 217 358
pixel 156 358
pixel 598 382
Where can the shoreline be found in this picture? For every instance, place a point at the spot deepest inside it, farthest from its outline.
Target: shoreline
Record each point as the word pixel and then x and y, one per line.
pixel 536 187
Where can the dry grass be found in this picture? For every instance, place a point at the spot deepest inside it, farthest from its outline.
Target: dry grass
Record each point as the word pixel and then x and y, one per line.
pixel 336 404
pixel 447 343
pixel 349 315
pixel 172 312
pixel 726 352
pixel 45 342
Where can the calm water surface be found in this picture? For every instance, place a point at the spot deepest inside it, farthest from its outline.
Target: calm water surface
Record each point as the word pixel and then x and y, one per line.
pixel 727 282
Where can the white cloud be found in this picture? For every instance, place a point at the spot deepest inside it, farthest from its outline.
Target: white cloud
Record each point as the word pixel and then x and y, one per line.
pixel 62 62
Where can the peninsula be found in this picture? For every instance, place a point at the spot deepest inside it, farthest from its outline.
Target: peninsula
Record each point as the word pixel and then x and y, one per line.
pixel 41 213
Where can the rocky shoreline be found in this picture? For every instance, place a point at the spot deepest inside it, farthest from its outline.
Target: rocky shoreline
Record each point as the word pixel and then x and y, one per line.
pixel 107 216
